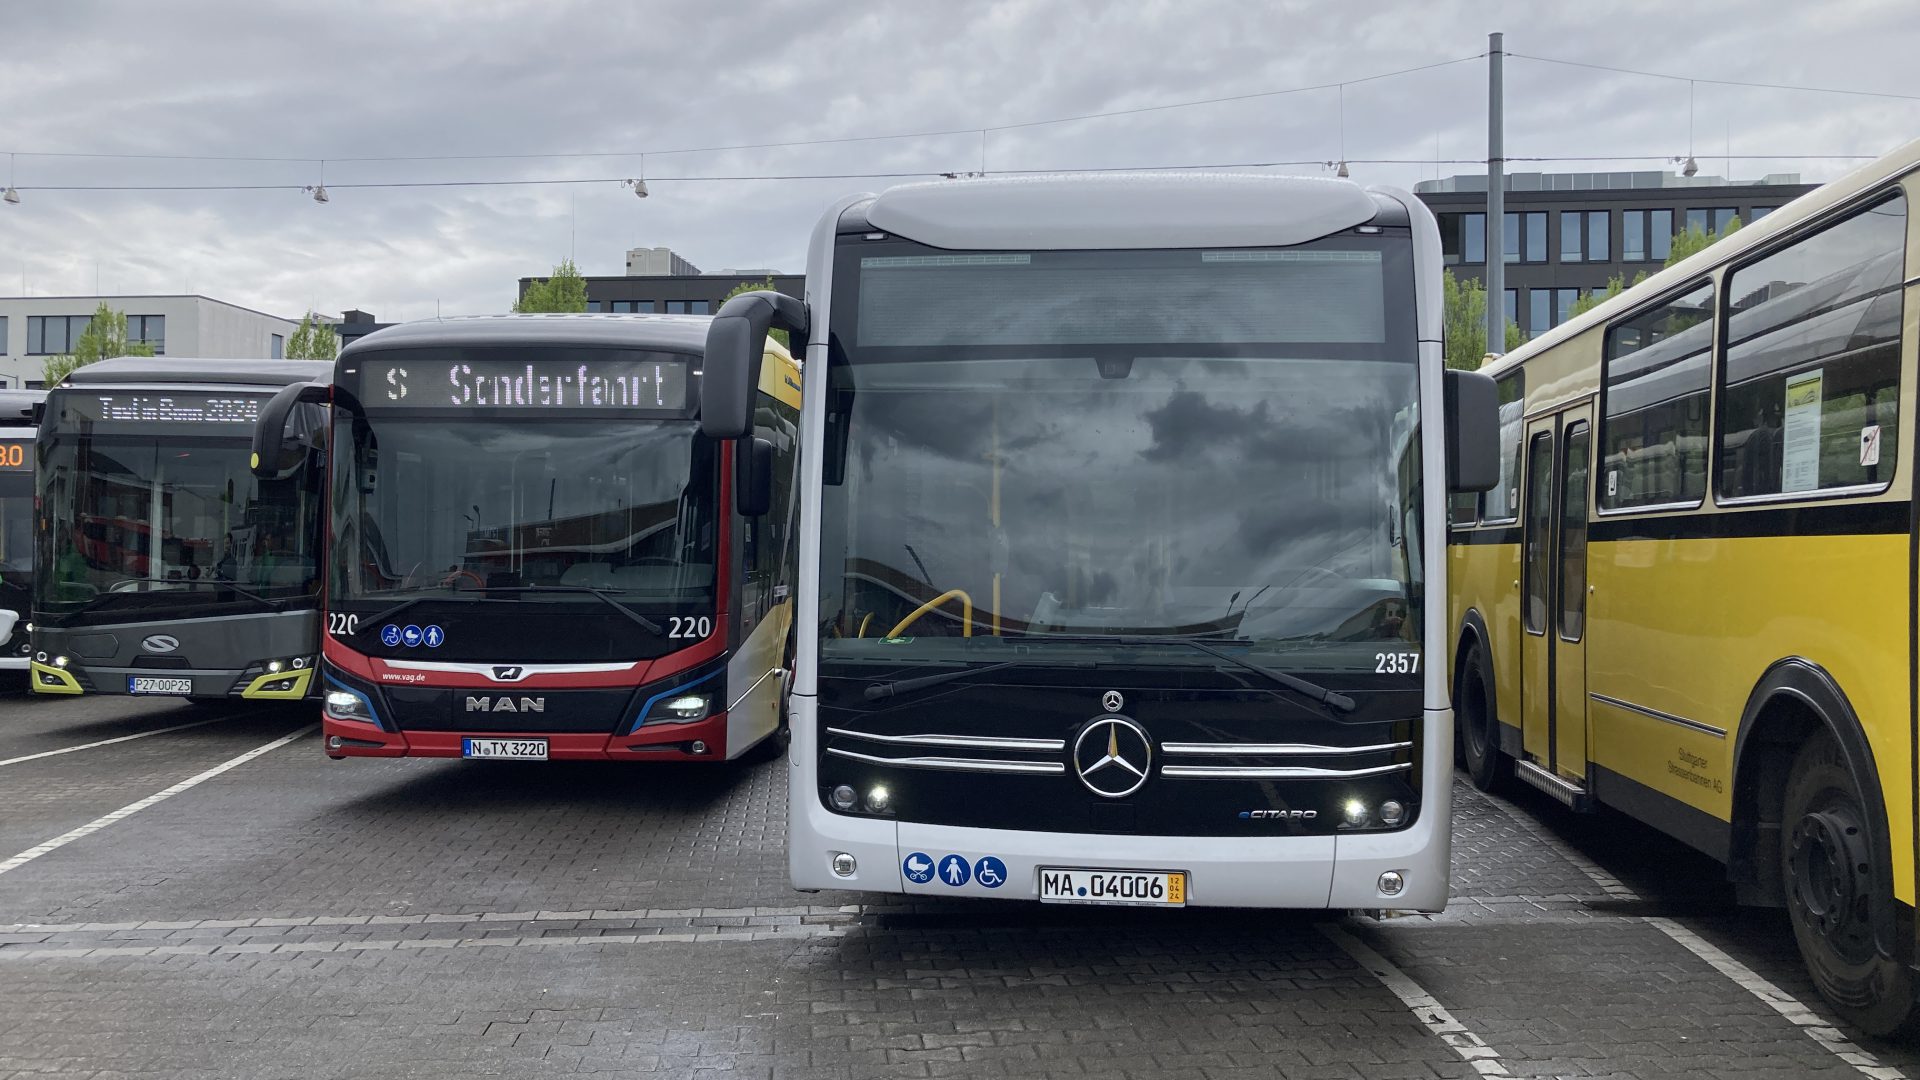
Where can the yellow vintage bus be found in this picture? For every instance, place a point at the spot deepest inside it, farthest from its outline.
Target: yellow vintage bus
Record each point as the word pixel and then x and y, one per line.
pixel 1691 597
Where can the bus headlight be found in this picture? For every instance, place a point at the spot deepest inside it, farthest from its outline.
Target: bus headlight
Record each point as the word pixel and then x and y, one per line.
pixel 680 708
pixel 341 705
pixel 60 661
pixel 1356 813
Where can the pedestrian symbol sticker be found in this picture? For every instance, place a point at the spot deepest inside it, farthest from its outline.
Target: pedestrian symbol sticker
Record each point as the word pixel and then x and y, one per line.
pixel 410 637
pixel 955 871
pixel 918 868
pixel 432 636
pixel 990 872
pixel 390 635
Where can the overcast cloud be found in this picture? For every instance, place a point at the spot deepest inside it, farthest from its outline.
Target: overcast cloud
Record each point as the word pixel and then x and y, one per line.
pixel 366 79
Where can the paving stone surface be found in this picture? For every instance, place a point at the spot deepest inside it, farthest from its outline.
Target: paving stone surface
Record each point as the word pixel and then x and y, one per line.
pixel 295 917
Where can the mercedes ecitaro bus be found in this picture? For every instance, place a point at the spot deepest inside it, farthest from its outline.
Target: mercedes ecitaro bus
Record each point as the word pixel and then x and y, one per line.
pixel 1691 597
pixel 18 409
pixel 534 552
pixel 165 566
pixel 1123 501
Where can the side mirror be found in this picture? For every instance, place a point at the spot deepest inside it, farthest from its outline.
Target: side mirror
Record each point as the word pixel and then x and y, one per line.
pixel 270 430
pixel 1472 404
pixel 736 339
pixel 753 477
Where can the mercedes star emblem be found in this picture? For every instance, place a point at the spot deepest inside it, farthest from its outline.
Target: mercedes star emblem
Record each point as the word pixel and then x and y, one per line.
pixel 1112 701
pixel 1112 757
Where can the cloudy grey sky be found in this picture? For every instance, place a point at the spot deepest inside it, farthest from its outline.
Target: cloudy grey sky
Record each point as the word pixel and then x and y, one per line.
pixel 354 79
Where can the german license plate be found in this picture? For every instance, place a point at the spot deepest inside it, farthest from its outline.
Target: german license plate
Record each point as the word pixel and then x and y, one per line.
pixel 146 684
pixel 1146 888
pixel 520 749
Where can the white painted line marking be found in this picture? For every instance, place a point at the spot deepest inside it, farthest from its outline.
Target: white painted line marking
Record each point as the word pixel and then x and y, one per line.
pixel 1809 1022
pixel 1471 1048
pixel 285 948
pixel 131 809
pixel 1779 1001
pixel 110 742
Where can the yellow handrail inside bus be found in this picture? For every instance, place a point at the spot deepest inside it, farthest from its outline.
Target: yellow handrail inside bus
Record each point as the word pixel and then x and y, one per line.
pixel 863 624
pixel 966 612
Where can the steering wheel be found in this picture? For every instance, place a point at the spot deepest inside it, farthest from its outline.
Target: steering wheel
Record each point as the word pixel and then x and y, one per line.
pixel 1315 572
pixel 451 580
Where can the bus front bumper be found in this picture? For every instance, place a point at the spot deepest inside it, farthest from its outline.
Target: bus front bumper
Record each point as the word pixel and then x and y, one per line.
pixel 673 742
pixel 1340 872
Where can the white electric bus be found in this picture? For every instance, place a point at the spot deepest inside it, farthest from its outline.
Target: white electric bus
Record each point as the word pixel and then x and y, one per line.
pixel 1122 532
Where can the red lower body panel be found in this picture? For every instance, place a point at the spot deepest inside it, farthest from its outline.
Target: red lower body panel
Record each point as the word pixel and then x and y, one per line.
pixel 654 742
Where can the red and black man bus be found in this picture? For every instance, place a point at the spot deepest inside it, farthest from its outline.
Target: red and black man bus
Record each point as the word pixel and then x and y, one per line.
pixel 534 553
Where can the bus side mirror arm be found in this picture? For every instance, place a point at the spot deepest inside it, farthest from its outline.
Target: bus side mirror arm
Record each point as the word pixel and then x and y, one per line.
pixel 736 339
pixel 753 477
pixel 1472 403
pixel 270 429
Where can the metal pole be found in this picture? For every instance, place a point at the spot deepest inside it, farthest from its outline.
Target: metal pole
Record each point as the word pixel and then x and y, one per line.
pixel 1496 203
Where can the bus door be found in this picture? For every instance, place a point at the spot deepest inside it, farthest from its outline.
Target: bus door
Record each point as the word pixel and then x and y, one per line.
pixel 1570 589
pixel 1553 586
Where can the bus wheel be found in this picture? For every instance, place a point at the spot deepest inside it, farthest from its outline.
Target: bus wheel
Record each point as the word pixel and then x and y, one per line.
pixel 1479 727
pixel 1826 862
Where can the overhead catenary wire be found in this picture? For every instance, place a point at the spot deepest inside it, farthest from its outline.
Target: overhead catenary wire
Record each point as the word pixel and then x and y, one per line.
pixel 925 174
pixel 1749 84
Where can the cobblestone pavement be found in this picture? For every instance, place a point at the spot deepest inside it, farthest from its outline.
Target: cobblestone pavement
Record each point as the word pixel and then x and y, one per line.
pixel 280 915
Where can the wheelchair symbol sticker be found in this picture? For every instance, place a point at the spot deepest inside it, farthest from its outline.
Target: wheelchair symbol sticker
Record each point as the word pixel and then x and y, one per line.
pixel 990 872
pixel 389 635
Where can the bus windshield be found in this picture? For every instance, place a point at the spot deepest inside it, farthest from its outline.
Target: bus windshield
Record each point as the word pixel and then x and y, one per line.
pixel 137 527
pixel 1231 454
pixel 569 511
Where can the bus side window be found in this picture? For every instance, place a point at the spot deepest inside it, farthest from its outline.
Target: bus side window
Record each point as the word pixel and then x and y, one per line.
pixel 1812 360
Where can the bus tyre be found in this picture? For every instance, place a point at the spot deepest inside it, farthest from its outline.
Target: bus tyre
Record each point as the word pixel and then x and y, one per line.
pixel 1478 727
pixel 1826 862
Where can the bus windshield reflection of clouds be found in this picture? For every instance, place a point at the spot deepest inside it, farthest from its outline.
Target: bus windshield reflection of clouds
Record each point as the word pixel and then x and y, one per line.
pixel 1252 499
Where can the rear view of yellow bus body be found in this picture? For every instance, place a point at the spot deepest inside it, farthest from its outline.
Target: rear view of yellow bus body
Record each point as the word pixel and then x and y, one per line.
pixel 1691 599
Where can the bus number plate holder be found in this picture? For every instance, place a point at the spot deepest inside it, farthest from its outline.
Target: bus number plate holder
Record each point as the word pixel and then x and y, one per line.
pixel 511 749
pixel 147 684
pixel 1133 888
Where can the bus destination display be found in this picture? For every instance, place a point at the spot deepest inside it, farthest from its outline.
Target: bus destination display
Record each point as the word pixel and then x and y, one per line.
pixel 16 456
pixel 143 408
pixel 493 384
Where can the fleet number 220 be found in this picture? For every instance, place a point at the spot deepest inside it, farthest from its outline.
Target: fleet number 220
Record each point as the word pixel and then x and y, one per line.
pixel 1396 663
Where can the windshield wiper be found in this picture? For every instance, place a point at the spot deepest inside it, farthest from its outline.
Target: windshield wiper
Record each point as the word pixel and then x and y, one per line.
pixel 172 585
pixel 651 626
pixel 1333 699
pixel 882 691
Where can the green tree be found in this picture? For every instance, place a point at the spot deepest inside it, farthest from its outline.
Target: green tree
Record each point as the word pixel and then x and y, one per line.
pixel 105 337
pixel 1464 323
pixel 1696 239
pixel 757 286
pixel 314 340
pixel 564 291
